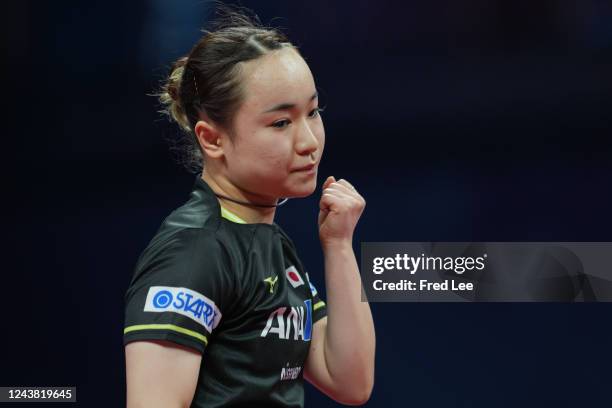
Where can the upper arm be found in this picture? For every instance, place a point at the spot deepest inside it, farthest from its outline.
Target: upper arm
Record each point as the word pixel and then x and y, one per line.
pixel 315 369
pixel 160 374
pixel 321 365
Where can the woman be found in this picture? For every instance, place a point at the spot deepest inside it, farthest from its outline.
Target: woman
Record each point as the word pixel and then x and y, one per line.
pixel 220 310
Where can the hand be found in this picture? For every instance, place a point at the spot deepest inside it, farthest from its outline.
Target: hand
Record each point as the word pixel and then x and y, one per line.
pixel 339 210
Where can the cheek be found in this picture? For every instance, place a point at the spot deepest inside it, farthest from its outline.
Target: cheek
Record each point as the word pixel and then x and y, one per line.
pixel 277 150
pixel 270 153
pixel 320 135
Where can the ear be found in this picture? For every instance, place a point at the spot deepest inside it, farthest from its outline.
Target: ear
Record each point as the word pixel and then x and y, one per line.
pixel 209 137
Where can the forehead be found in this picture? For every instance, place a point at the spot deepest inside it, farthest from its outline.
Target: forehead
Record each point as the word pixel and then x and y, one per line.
pixel 277 77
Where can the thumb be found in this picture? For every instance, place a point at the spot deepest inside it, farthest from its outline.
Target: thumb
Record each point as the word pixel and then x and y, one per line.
pixel 328 181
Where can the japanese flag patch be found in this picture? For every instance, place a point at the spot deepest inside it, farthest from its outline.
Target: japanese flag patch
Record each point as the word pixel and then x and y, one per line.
pixel 293 276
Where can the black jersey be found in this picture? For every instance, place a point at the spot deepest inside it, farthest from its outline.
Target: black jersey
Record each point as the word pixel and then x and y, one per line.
pixel 235 292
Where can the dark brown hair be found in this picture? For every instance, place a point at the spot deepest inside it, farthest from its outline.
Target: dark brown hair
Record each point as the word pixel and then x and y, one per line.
pixel 208 79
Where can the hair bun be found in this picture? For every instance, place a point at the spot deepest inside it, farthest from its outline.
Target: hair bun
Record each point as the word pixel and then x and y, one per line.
pixel 174 80
pixel 170 95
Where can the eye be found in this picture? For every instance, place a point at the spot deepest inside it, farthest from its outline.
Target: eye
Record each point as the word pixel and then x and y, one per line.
pixel 316 112
pixel 283 123
pixel 280 124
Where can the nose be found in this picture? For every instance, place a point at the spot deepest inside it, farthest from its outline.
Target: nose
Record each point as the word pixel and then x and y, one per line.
pixel 307 141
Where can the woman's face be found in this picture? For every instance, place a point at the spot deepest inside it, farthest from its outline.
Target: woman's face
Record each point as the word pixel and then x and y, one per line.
pixel 277 130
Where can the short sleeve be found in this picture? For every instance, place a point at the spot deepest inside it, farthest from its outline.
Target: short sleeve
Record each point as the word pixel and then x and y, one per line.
pixel 179 291
pixel 319 308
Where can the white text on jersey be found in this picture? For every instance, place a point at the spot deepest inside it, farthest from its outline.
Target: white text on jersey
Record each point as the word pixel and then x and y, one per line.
pixel 285 321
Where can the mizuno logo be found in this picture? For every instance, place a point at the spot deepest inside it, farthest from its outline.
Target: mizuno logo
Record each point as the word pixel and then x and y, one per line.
pixel 272 281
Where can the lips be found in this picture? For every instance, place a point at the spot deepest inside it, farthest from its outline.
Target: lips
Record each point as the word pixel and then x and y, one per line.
pixel 306 168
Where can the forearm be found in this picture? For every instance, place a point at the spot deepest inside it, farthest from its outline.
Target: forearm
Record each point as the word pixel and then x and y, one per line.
pixel 350 339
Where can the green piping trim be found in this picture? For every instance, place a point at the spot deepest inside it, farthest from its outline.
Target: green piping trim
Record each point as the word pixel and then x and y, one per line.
pixel 227 214
pixel 166 327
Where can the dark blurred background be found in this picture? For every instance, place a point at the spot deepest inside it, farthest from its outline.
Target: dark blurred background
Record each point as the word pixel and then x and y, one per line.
pixel 482 120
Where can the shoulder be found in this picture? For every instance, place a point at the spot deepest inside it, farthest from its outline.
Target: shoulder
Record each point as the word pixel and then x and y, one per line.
pixel 193 262
pixel 184 252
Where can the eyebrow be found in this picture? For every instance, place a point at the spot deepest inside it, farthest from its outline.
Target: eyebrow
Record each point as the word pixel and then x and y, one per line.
pixel 288 106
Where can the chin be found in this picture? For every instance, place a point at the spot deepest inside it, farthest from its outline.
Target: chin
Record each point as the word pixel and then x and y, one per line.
pixel 303 190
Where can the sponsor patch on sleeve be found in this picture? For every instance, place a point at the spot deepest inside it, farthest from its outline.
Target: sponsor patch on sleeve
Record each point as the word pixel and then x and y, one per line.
pixel 313 290
pixel 185 302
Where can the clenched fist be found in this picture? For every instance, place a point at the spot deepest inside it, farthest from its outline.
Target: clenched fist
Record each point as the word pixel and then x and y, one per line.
pixel 339 210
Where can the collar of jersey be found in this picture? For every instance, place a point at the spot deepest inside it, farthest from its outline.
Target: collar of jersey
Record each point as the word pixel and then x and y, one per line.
pixel 228 215
pixel 206 195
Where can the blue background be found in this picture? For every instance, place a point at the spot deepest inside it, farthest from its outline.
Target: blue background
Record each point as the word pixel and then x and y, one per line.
pixel 483 120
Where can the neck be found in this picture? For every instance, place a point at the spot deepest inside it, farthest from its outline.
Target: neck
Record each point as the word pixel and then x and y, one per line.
pixel 250 214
